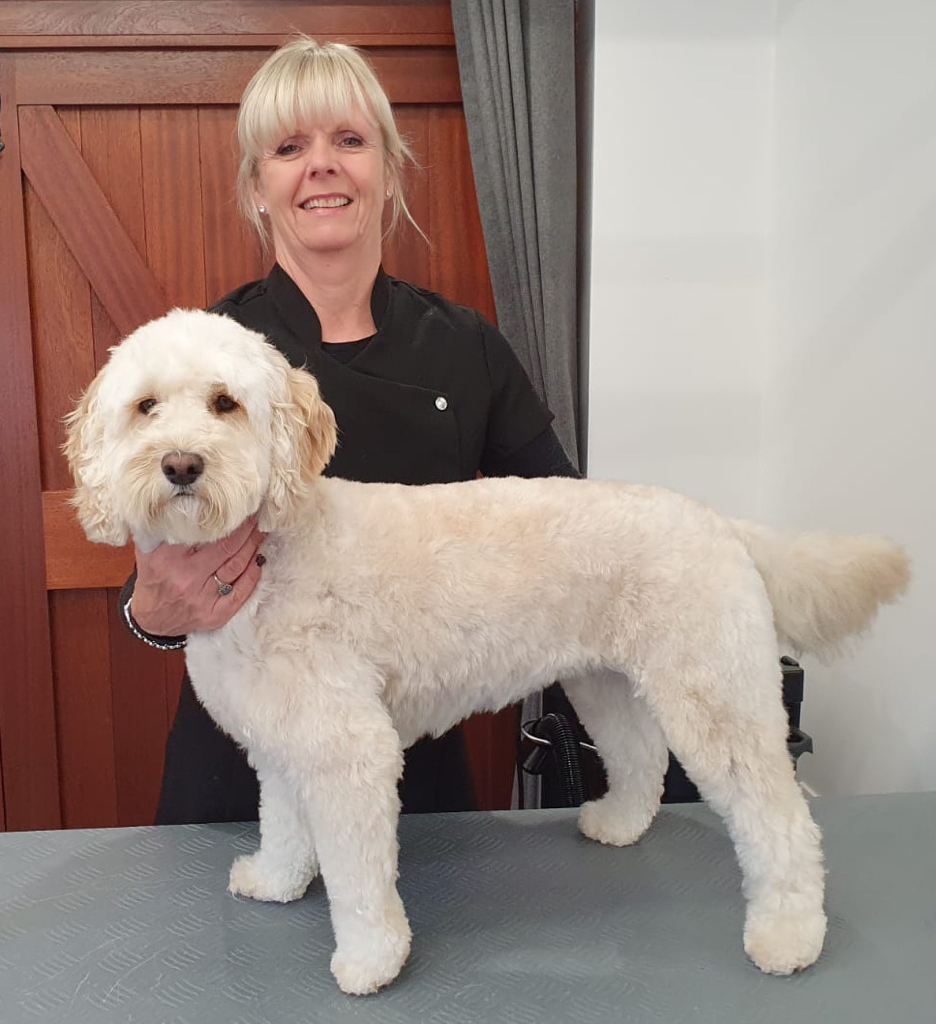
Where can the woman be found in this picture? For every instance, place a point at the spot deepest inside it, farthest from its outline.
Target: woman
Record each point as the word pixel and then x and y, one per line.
pixel 424 391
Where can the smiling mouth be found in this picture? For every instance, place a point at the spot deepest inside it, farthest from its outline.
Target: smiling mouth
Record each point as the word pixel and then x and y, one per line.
pixel 325 203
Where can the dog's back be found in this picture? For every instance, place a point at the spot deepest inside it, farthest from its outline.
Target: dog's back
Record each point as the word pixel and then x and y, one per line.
pixel 465 597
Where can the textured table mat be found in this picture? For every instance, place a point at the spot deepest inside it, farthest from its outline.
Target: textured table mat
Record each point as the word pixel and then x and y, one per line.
pixel 516 918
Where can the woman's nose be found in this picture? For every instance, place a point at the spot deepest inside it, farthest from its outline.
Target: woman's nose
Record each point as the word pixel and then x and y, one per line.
pixel 321 157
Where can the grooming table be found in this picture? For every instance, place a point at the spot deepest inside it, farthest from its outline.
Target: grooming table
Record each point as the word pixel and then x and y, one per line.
pixel 516 918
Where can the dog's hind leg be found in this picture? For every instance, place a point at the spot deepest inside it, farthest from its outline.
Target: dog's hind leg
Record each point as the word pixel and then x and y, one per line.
pixel 633 750
pixel 729 728
pixel 285 864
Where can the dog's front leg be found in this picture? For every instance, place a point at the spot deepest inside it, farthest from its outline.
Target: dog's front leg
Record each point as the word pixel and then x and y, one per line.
pixel 356 762
pixel 285 864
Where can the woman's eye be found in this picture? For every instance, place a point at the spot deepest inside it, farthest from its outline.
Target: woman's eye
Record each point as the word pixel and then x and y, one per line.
pixel 287 149
pixel 224 403
pixel 145 406
pixel 352 141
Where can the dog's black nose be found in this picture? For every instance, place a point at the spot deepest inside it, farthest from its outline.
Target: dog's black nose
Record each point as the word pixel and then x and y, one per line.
pixel 182 468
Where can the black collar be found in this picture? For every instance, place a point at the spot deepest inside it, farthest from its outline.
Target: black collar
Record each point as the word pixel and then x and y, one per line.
pixel 299 312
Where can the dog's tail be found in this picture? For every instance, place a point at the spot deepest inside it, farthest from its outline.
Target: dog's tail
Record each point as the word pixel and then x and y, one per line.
pixel 824 587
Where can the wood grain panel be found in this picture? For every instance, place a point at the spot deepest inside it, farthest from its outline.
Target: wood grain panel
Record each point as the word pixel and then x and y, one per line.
pixel 62 340
pixel 140 701
pixel 112 150
pixel 364 40
pixel 172 201
pixel 406 252
pixel 87 221
pixel 72 561
pixel 491 740
pixel 84 713
pixel 458 258
pixel 206 77
pixel 110 146
pixel 232 250
pixel 35 19
pixel 27 717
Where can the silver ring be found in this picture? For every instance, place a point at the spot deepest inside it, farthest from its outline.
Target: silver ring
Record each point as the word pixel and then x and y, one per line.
pixel 223 588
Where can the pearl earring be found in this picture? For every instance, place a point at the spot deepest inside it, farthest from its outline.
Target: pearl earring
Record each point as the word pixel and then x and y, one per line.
pixel 261 209
pixel 389 193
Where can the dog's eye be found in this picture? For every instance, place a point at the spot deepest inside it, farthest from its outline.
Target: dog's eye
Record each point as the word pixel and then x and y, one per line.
pixel 224 403
pixel 145 406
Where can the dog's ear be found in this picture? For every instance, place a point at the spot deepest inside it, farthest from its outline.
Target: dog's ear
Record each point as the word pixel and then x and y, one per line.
pixel 84 450
pixel 304 439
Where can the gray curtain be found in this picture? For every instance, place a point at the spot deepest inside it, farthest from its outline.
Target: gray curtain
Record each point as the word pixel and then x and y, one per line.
pixel 516 59
pixel 517 64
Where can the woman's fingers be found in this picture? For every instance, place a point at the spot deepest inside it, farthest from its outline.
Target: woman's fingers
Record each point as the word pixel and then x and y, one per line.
pixel 227 605
pixel 231 568
pixel 235 578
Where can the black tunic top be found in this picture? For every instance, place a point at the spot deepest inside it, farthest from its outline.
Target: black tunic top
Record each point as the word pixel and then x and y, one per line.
pixel 436 395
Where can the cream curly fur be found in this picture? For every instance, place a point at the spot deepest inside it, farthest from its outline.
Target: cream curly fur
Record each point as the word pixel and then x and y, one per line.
pixel 387 612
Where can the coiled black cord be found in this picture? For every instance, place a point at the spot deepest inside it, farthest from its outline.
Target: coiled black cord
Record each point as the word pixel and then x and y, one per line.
pixel 554 732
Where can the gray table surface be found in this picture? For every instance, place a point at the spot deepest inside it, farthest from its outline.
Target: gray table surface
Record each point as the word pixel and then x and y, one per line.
pixel 515 918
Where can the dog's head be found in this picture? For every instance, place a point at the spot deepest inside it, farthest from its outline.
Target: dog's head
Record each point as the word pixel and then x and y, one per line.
pixel 194 424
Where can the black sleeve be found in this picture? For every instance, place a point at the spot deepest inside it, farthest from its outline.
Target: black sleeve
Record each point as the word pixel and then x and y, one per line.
pixel 516 415
pixel 543 456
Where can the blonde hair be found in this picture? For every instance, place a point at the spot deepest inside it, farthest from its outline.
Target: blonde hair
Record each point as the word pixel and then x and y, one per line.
pixel 304 82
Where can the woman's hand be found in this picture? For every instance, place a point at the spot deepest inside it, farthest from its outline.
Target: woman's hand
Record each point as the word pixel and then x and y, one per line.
pixel 176 592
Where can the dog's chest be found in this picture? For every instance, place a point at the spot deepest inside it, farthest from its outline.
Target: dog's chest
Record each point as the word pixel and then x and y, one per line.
pixel 224 677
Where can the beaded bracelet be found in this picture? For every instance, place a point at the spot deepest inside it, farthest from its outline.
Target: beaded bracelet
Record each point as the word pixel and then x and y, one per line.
pixel 159 642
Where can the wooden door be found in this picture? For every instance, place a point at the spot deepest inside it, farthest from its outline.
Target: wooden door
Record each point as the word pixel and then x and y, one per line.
pixel 116 204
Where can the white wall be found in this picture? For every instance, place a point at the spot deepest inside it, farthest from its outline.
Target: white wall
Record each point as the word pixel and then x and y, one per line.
pixel 763 314
pixel 680 221
pixel 850 421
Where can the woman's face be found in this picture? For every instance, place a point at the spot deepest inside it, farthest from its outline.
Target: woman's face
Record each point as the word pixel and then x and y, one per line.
pixel 324 187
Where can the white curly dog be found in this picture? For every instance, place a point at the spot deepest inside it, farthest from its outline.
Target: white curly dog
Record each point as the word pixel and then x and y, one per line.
pixel 388 612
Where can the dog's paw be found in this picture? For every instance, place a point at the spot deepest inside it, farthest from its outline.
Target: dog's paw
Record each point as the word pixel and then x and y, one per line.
pixel 784 941
pixel 260 878
pixel 364 970
pixel 607 822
